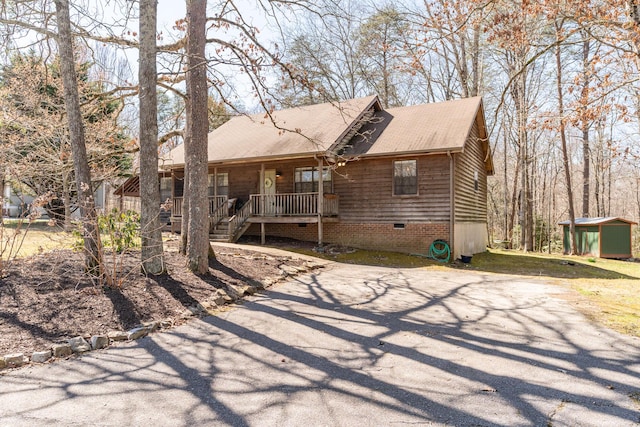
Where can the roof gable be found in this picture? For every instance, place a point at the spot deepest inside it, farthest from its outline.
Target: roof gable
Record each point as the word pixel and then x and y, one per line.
pixel 301 131
pixel 427 128
pixel 436 127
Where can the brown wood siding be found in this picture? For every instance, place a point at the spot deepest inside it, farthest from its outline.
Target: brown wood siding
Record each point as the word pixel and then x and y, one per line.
pixel 364 186
pixel 365 191
pixel 470 204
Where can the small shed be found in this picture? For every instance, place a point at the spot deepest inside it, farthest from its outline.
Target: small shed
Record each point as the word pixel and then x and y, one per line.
pixel 605 237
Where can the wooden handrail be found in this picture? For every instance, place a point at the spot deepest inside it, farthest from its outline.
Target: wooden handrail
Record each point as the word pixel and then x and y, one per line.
pixel 238 220
pixel 292 204
pixel 215 204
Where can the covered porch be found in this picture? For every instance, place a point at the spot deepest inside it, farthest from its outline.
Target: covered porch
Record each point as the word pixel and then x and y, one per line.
pixel 229 219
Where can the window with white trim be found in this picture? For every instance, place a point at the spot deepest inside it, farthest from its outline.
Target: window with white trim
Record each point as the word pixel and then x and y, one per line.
pixel 306 179
pixel 405 177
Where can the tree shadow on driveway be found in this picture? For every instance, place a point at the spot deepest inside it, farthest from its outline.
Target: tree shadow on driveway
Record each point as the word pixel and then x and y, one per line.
pixel 358 347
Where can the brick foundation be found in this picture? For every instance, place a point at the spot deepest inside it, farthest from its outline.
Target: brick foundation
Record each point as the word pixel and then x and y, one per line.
pixel 413 238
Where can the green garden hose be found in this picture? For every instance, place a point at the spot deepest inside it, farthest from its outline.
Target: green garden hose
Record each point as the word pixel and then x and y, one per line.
pixel 439 250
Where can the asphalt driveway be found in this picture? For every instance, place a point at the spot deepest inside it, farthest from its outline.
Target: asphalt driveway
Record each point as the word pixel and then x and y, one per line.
pixel 353 346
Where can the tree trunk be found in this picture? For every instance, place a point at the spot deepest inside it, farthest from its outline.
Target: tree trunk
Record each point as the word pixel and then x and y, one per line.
pixel 91 235
pixel 184 225
pixel 196 152
pixel 524 162
pixel 150 228
pixel 563 139
pixel 514 203
pixel 586 149
pixel 66 201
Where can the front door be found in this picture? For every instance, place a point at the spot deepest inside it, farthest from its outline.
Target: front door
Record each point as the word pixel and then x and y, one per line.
pixel 270 192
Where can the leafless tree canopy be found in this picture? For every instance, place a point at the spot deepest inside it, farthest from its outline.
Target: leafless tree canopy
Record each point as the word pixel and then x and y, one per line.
pixel 559 80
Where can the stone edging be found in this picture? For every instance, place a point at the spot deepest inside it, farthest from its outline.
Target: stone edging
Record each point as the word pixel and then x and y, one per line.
pixel 222 297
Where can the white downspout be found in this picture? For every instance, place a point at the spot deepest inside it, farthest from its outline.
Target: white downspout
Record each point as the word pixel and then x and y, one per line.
pixel 452 204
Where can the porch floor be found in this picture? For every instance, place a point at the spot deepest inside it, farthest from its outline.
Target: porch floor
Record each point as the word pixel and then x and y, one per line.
pixel 311 219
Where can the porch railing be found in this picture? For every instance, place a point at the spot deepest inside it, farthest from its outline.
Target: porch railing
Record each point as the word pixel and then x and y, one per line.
pixel 216 204
pixel 239 219
pixel 292 204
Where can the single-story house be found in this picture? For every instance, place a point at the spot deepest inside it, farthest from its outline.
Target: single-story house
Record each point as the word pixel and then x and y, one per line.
pixel 603 237
pixel 350 173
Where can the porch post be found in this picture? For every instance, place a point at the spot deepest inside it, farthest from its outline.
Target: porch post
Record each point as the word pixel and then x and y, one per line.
pixel 261 188
pixel 320 200
pixel 261 191
pixel 173 199
pixel 215 186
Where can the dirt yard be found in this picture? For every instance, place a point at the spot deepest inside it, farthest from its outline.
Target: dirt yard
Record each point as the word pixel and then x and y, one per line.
pixel 47 298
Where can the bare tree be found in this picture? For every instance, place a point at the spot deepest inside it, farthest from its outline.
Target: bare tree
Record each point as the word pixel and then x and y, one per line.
pixel 381 43
pixel 91 234
pixel 150 232
pixel 563 137
pixel 446 50
pixel 197 248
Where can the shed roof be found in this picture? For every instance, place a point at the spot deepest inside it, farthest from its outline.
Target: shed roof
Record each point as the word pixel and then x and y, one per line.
pixel 318 129
pixel 597 221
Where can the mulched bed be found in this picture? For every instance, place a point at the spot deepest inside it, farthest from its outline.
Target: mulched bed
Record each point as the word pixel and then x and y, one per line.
pixel 47 298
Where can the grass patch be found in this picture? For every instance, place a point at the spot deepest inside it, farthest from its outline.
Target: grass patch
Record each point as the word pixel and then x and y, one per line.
pixel 38 236
pixel 555 265
pixel 374 258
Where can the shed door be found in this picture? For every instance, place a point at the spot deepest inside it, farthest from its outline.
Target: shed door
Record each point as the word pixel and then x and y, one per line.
pixel 616 241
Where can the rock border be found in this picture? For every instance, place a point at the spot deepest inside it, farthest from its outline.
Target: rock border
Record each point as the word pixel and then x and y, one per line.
pixel 83 344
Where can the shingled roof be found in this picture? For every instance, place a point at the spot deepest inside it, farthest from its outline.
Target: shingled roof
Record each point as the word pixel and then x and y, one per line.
pixel 439 127
pixel 295 132
pixel 318 129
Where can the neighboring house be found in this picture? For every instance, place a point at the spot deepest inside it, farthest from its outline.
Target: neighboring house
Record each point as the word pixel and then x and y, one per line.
pixel 350 173
pixel 14 204
pixel 127 195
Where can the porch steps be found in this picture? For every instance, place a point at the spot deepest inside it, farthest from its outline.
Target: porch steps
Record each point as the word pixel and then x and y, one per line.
pixel 220 232
pixel 239 232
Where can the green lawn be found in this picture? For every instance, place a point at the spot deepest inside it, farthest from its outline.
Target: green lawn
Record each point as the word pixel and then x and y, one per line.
pixel 29 239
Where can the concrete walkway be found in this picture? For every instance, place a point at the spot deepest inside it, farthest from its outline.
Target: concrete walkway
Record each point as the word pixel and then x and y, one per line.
pixel 353 346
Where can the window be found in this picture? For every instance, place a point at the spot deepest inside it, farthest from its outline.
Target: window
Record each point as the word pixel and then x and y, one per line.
pixel 165 188
pixel 405 177
pixel 178 186
pixel 222 184
pixel 306 180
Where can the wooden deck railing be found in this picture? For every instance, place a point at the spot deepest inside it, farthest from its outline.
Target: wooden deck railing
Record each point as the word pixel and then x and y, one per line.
pixel 287 204
pixel 292 204
pixel 238 220
pixel 216 204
